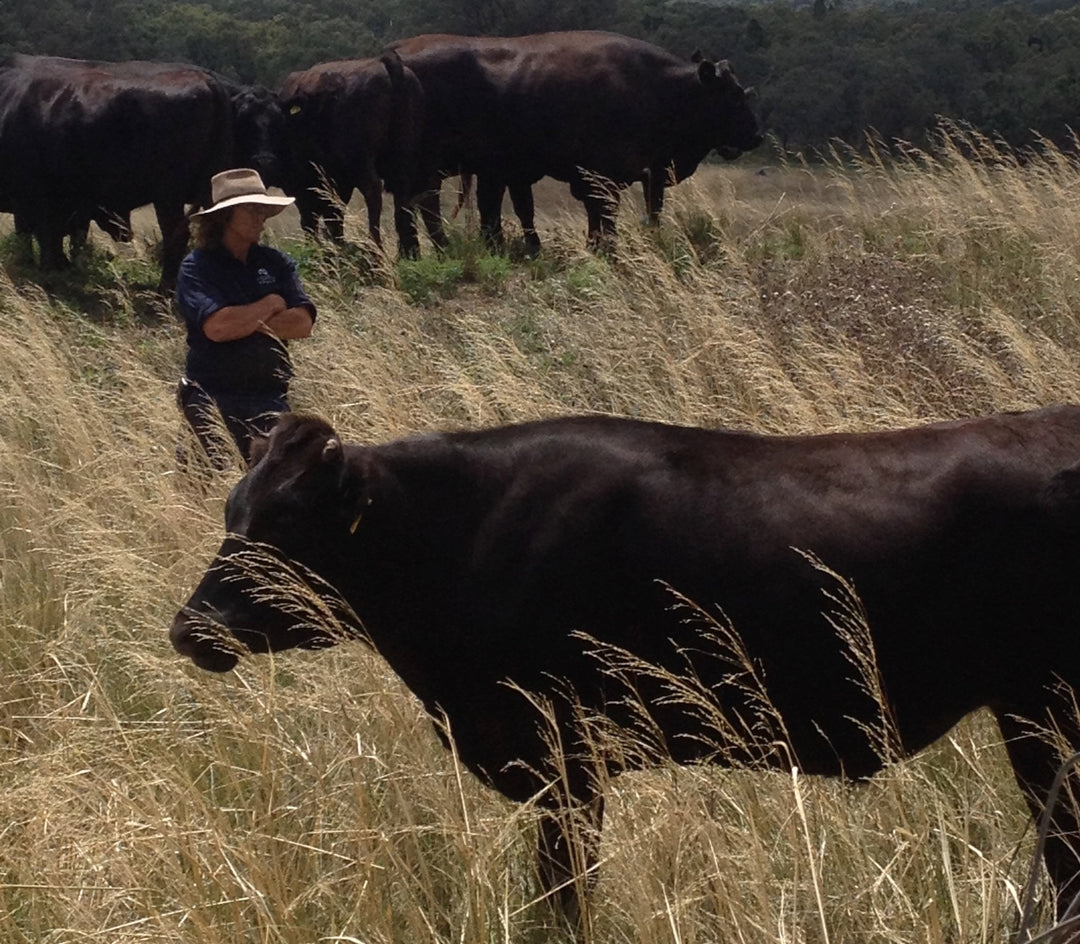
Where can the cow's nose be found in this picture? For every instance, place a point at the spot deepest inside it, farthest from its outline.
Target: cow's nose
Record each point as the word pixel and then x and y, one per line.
pixel 180 634
pixel 206 651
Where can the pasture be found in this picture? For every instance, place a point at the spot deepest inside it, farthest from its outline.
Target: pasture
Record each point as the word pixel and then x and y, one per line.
pixel 304 797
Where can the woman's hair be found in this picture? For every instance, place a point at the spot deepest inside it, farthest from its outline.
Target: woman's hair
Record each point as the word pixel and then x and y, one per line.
pixel 210 229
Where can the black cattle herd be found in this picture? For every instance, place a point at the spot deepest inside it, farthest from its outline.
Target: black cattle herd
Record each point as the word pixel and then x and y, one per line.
pixel 82 141
pixel 534 584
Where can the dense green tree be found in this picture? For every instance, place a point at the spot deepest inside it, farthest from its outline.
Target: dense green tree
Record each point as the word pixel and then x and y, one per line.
pixel 519 17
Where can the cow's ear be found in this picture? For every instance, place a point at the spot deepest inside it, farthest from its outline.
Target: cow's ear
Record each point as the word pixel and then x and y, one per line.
pixel 695 56
pixel 725 72
pixel 257 449
pixel 333 452
pixel 355 485
pixel 706 71
pixel 725 79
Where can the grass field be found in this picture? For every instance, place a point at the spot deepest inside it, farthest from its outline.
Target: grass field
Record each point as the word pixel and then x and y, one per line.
pixel 305 798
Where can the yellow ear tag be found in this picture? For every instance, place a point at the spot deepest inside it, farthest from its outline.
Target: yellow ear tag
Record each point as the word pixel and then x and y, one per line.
pixel 295 110
pixel 356 523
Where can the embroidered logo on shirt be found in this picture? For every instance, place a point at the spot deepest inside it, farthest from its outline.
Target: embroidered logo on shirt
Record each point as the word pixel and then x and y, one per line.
pixel 264 278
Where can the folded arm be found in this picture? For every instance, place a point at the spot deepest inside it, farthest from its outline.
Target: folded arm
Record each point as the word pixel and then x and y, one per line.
pixel 269 315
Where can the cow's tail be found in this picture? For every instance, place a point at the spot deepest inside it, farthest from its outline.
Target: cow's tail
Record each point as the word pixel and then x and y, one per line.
pixel 394 66
pixel 466 181
pixel 406 105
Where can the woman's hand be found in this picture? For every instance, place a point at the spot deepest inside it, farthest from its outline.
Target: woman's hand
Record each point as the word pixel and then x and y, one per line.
pixel 289 324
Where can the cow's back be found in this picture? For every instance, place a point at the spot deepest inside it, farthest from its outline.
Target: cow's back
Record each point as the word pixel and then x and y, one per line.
pixel 601 528
pixel 519 108
pixel 129 133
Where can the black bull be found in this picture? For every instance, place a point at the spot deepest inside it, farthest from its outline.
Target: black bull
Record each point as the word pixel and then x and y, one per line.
pixel 550 558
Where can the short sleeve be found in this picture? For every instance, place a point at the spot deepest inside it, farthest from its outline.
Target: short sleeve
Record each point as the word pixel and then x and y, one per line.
pixel 289 283
pixel 196 294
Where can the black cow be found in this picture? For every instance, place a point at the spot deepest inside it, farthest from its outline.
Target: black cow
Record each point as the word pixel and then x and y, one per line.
pixel 83 140
pixel 554 558
pixel 596 109
pixel 351 124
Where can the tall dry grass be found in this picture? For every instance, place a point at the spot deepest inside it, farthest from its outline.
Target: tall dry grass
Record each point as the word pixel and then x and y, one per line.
pixel 305 798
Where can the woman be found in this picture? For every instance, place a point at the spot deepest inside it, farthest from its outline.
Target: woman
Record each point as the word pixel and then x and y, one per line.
pixel 242 303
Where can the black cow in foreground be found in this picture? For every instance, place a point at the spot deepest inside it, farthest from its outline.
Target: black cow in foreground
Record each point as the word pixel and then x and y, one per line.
pixel 531 582
pixel 351 124
pixel 599 110
pixel 83 140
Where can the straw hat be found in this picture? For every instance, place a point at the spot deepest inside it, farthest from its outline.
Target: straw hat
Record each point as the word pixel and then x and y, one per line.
pixel 241 185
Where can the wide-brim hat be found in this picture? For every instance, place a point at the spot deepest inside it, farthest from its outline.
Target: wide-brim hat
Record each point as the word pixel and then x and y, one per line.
pixel 242 185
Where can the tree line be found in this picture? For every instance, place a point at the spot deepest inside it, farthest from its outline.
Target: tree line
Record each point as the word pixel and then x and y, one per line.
pixel 824 70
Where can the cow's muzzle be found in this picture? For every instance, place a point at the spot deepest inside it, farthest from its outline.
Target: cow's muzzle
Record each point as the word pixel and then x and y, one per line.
pixel 730 151
pixel 209 645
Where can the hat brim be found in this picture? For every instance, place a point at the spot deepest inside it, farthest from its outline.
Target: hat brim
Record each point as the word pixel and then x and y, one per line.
pixel 275 204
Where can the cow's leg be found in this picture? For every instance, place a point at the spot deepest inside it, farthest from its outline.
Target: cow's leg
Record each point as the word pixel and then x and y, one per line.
pixel 568 848
pixel 601 199
pixel 78 236
pixel 583 192
pixel 372 193
pixel 334 218
pixel 309 216
pixel 322 203
pixel 174 241
pixel 489 196
pixel 521 196
pixel 318 213
pixel 609 209
pixel 405 227
pixel 653 183
pixel 333 221
pixel 50 231
pixel 24 238
pixel 1035 763
pixel 465 186
pixel 431 213
pixel 595 210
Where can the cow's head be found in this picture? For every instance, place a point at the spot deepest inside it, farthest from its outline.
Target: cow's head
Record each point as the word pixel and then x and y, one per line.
pixel 288 525
pixel 732 124
pixel 259 131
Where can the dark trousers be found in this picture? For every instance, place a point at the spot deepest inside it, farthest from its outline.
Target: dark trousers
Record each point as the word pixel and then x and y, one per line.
pixel 245 416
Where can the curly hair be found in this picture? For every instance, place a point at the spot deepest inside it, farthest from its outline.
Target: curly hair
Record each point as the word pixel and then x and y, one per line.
pixel 209 229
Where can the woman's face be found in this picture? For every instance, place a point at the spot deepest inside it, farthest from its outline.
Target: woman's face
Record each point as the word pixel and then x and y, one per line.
pixel 245 223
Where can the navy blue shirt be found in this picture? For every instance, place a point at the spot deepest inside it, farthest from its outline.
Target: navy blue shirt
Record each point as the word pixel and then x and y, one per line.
pixel 212 279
